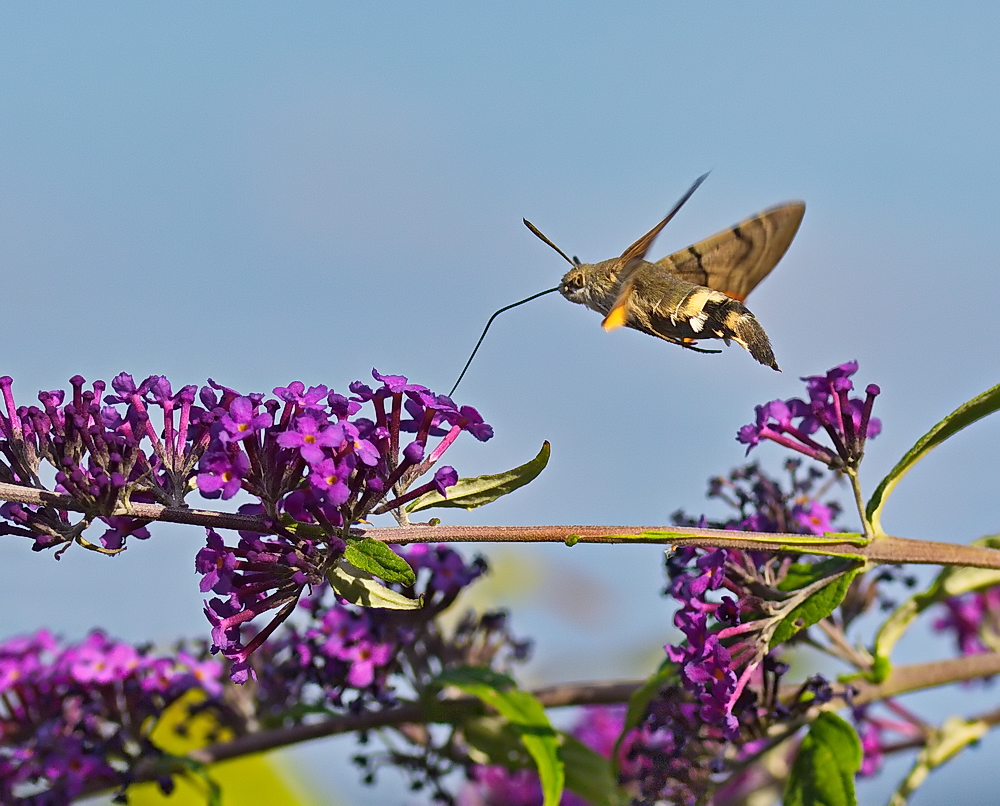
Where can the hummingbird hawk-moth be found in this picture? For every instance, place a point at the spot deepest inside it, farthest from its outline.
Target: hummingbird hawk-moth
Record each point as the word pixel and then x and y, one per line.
pixel 696 293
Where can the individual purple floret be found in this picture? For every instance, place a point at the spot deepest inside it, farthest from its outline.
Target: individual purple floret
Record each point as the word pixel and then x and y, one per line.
pixel 847 421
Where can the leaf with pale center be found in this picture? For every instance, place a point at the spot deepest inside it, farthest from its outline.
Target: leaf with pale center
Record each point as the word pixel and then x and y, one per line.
pixel 475 492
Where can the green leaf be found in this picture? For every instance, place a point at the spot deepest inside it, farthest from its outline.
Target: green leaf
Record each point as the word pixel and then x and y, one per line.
pixel 360 588
pixel 525 714
pixel 819 605
pixel 379 560
pixel 950 581
pixel 823 770
pixel 589 774
pixel 966 414
pixel 472 493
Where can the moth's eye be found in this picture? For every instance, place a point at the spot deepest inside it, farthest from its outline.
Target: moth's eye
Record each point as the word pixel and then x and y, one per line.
pixel 576 281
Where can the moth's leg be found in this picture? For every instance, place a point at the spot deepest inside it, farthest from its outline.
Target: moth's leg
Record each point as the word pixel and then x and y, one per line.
pixel 686 343
pixel 689 344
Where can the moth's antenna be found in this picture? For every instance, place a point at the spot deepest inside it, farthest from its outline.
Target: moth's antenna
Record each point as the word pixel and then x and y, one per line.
pixel 538 232
pixel 495 315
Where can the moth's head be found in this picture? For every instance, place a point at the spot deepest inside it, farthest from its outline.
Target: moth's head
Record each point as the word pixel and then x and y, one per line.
pixel 574 284
pixel 592 284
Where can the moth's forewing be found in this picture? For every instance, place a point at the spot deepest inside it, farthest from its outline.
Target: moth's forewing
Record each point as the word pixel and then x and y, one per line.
pixel 637 251
pixel 633 257
pixel 736 260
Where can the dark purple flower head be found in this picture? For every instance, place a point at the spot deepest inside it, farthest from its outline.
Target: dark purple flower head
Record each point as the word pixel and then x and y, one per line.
pixel 444 478
pixel 341 407
pixel 312 465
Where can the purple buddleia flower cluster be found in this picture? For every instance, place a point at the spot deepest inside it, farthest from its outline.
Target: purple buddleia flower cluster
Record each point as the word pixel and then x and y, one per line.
pixel 409 651
pixel 973 619
pixel 77 716
pixel 304 454
pixel 308 456
pixel 311 460
pixel 762 503
pixel 346 656
pixel 97 458
pixel 721 699
pixel 314 465
pixel 847 421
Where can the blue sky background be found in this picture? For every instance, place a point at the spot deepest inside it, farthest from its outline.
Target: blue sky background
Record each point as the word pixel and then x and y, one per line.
pixel 261 193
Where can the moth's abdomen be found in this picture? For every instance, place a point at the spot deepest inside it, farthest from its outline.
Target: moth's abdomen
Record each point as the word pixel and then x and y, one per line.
pixel 748 333
pixel 707 314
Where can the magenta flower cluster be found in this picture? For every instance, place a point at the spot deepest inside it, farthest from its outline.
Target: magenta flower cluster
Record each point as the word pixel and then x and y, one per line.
pixel 309 456
pixel 707 667
pixel 847 421
pixel 310 460
pixel 724 688
pixel 973 619
pixel 762 503
pixel 76 716
pixel 345 655
pixel 314 465
pixel 304 455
